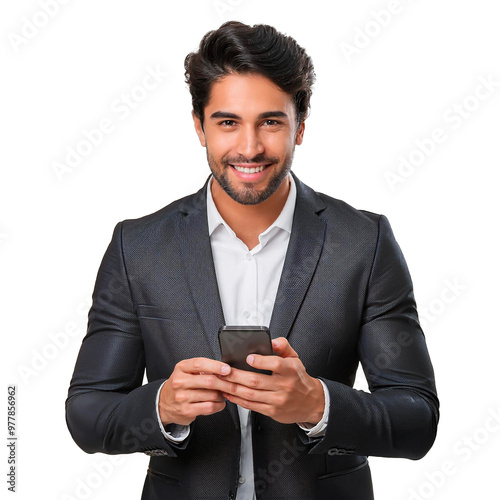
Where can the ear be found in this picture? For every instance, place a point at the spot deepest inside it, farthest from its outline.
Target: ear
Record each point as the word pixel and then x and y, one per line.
pixel 199 129
pixel 299 136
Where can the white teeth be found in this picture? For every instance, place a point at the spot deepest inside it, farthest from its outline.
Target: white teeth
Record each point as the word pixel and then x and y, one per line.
pixel 247 170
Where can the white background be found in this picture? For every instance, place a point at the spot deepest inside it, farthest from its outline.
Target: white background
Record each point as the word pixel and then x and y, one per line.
pixel 368 109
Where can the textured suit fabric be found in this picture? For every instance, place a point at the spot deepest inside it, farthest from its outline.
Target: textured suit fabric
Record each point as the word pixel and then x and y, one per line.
pixel 345 296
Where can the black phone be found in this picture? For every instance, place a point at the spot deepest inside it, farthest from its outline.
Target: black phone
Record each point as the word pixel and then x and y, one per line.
pixel 237 342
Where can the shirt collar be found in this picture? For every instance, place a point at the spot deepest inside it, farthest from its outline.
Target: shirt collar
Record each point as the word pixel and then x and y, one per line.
pixel 284 220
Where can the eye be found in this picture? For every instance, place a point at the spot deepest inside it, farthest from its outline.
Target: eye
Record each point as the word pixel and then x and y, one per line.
pixel 271 123
pixel 227 123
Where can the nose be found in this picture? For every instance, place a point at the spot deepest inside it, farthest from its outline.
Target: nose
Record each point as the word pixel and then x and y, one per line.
pixel 249 142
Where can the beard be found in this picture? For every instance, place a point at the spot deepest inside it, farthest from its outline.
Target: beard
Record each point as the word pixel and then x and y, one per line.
pixel 248 194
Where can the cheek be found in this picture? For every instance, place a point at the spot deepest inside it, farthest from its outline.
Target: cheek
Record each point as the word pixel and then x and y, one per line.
pixel 280 145
pixel 220 145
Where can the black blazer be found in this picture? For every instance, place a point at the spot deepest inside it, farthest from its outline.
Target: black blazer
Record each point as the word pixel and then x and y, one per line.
pixel 345 296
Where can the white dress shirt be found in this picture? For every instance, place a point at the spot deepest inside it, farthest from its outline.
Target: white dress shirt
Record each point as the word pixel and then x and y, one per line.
pixel 248 282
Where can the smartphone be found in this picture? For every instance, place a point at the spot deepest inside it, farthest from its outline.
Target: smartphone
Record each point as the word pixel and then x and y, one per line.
pixel 237 342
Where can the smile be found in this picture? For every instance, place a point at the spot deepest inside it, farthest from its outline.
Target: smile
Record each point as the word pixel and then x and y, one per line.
pixel 247 170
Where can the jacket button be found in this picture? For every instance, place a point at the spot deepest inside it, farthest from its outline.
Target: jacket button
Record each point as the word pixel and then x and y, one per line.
pixel 339 451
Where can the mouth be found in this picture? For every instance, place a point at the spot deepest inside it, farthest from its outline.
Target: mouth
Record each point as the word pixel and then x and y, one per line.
pixel 249 168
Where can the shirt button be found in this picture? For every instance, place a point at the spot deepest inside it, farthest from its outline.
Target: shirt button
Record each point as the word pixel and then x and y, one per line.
pixel 246 314
pixel 249 256
pixel 241 479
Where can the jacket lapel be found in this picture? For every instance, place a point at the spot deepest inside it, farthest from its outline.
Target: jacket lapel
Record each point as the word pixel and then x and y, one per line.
pixel 200 271
pixel 304 249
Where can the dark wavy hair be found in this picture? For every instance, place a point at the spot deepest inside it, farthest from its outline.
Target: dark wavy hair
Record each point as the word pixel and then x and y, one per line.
pixel 260 49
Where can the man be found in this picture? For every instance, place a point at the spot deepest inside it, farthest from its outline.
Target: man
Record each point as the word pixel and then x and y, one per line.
pixel 255 246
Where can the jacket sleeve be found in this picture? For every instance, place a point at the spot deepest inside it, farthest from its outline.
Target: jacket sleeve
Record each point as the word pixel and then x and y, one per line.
pixel 399 416
pixel 108 409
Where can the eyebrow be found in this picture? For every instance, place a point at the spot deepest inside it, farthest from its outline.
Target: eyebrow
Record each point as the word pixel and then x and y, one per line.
pixel 262 116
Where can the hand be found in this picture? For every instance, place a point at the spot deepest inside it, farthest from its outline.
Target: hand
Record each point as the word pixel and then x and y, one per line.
pixel 288 396
pixel 193 389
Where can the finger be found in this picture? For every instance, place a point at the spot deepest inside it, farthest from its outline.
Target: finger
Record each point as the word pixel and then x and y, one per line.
pixel 282 348
pixel 199 396
pixel 248 379
pixel 259 407
pixel 206 408
pixel 207 381
pixel 252 395
pixel 275 364
pixel 204 365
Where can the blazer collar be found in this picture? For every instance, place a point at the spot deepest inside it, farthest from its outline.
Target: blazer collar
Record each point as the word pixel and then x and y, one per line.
pixel 304 250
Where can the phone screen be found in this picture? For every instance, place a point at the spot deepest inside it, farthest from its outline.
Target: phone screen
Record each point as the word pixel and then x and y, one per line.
pixel 237 342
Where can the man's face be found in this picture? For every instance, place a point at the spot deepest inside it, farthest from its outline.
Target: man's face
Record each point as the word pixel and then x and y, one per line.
pixel 250 132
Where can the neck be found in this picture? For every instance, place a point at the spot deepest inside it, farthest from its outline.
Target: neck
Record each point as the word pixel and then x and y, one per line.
pixel 248 221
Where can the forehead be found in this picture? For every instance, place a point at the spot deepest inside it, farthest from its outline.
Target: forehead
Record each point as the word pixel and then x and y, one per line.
pixel 250 94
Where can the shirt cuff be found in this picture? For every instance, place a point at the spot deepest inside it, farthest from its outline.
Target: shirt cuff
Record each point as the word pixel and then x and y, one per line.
pixel 320 428
pixel 173 432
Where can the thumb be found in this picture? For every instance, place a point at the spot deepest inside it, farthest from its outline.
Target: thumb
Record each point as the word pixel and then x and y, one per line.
pixel 282 348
